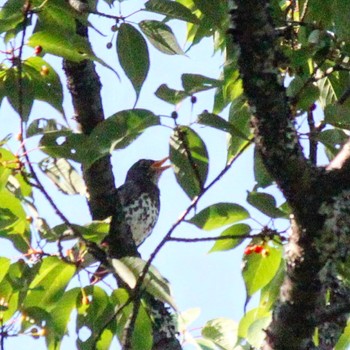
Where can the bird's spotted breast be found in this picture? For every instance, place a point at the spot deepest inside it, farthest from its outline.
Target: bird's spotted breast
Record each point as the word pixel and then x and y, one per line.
pixel 141 215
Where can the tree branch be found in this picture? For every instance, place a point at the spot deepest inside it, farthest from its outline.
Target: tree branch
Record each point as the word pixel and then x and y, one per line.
pixel 277 142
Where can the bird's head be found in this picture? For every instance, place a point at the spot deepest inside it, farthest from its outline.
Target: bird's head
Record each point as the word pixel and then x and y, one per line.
pixel 147 169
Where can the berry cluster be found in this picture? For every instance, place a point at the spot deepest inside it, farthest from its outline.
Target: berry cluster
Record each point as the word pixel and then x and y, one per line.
pixel 256 248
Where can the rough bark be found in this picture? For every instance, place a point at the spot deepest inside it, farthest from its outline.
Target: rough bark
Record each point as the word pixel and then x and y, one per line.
pixel 307 189
pixel 85 87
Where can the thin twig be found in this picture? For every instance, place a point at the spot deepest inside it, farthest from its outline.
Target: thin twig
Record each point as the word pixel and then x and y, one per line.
pixel 137 289
pixel 217 238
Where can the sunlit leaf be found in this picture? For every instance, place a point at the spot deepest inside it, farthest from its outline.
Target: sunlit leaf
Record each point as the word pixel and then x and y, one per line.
pixel 218 215
pixel 270 293
pixel 222 331
pixel 5 265
pixel 256 332
pixel 259 269
pixel 47 87
pixel 14 225
pixel 239 230
pixel 189 157
pixel 49 284
pixel 344 340
pixel 249 318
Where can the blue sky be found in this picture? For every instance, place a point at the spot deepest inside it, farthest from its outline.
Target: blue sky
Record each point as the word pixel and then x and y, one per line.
pixel 211 282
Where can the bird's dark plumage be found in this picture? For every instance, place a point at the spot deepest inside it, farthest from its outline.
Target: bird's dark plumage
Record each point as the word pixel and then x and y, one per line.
pixel 139 197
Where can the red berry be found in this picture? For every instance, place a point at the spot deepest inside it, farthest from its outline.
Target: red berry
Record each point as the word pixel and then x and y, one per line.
pixel 248 250
pixel 37 50
pixel 258 249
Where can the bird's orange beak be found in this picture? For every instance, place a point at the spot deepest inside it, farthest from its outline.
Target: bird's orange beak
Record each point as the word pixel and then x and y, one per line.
pixel 158 165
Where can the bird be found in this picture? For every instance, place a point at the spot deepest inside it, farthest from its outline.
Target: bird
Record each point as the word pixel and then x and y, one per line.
pixel 140 199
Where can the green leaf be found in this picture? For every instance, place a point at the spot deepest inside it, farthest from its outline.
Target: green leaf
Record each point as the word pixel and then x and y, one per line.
pixel 257 331
pixel 193 83
pixel 133 55
pixel 338 115
pixel 222 331
pixel 189 157
pixel 218 215
pixel 129 269
pixel 60 317
pixel 239 118
pixel 344 340
pixel 120 129
pixel 228 244
pixel 205 344
pixel 48 286
pixel 66 144
pixel 304 92
pixel 270 293
pixel 71 47
pixel 341 9
pixel 172 9
pixel 97 316
pixel 63 175
pixel 332 139
pixel 142 335
pixel 57 14
pixel 259 270
pixel 266 203
pixel 10 89
pixel 161 36
pixel 13 223
pixel 215 121
pixel 249 318
pixel 116 132
pixel 170 95
pixel 10 22
pixel 187 317
pixel 214 11
pixel 262 176
pixel 41 126
pixel 5 265
pixel 47 87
